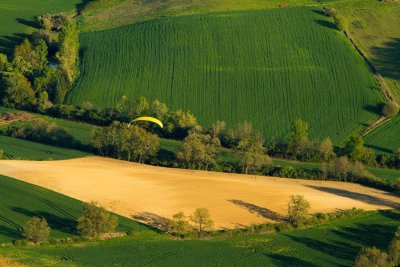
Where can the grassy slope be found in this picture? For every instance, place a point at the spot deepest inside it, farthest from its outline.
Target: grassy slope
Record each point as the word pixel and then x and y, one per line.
pixel 114 13
pixel 261 66
pixel 21 149
pixel 385 139
pixel 17 18
pixel 19 201
pixel 334 244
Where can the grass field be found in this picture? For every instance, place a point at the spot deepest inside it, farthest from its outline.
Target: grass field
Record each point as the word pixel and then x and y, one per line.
pixel 21 149
pixel 334 244
pixel 385 139
pixel 266 67
pixel 19 201
pixel 17 18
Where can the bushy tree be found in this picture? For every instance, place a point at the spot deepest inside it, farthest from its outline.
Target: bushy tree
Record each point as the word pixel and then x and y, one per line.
pixel 159 109
pixel 198 151
pixel 240 132
pixel 251 153
pixel 95 220
pixel 356 151
pixel 179 224
pixel 298 138
pixel 202 220
pixel 390 109
pixel 68 49
pixel 17 91
pixel 326 149
pixel 369 257
pixel 298 210
pixel 37 230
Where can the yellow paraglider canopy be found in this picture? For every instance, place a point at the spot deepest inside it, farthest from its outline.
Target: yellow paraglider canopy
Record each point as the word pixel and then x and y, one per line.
pixel 145 118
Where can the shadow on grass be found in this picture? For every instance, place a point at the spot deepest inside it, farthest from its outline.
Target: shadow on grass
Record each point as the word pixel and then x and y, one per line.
pixel 7 43
pixel 381 149
pixel 387 58
pixel 66 225
pixel 264 212
pixel 356 196
pixel 282 260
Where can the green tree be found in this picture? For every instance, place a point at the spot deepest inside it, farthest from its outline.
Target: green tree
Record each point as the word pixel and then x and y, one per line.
pixel 17 91
pixel 141 106
pixel 217 129
pixel 354 148
pixel 43 101
pixel 95 221
pixel 394 252
pixel 37 230
pixel 179 224
pixel 68 49
pixel 4 64
pixel 369 257
pixel 326 149
pixel 202 220
pixel 141 144
pixel 198 150
pixel 298 211
pixel 390 109
pixel 158 109
pixel 298 138
pixel 251 153
pixel 397 184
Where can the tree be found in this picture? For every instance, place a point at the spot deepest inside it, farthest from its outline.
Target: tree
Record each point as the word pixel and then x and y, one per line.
pixel 4 64
pixel 298 138
pixel 179 225
pixel 141 106
pixel 202 220
pixel 394 252
pixel 369 257
pixel 390 109
pixel 217 129
pixel 68 49
pixel 251 153
pixel 340 168
pixel 141 144
pixel 37 230
pixel 198 150
pixel 158 109
pixel 95 220
pixel 298 210
pixel 326 149
pixel 17 91
pixel 354 148
pixel 397 184
pixel 240 132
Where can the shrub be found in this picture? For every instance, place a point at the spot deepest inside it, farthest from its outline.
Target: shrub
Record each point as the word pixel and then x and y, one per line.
pixel 298 211
pixel 179 225
pixel 371 257
pixel 37 230
pixel 390 109
pixel 95 220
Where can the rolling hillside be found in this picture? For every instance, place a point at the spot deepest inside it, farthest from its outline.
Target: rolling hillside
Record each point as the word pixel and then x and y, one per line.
pixel 267 67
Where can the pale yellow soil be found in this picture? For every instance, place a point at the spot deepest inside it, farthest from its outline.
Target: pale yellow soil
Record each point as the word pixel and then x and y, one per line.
pixel 151 194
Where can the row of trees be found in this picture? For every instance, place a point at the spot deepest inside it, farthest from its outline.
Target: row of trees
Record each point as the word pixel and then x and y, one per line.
pixel 27 81
pixel 95 220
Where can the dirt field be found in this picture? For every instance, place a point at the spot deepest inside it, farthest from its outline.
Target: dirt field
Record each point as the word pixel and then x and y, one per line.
pixel 151 194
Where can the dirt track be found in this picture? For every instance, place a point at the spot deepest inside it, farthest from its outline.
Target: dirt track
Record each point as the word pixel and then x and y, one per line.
pixel 150 193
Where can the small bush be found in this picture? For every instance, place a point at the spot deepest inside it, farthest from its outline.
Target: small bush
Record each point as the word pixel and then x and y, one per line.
pixel 37 230
pixel 95 221
pixel 298 211
pixel 371 257
pixel 390 109
pixel 20 243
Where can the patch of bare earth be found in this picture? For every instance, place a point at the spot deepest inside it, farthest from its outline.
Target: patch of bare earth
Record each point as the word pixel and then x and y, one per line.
pixel 153 194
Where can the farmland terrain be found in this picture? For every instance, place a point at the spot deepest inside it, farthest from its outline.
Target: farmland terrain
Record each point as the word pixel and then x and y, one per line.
pixel 151 194
pixel 235 67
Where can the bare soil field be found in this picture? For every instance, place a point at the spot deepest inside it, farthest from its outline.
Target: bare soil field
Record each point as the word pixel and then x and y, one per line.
pixel 153 194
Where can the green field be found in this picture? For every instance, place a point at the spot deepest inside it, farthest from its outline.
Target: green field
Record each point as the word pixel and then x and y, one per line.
pixel 386 138
pixel 267 67
pixel 17 18
pixel 19 201
pixel 15 148
pixel 334 244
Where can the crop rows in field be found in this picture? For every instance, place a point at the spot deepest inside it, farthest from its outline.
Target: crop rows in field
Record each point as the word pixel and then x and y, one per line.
pixel 266 67
pixel 386 138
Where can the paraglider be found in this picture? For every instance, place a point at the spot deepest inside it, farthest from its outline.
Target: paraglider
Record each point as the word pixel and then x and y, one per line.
pixel 145 118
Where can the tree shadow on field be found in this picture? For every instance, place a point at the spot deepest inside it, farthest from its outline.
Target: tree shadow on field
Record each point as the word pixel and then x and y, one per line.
pixel 152 219
pixel 367 235
pixel 387 58
pixel 29 23
pixel 264 212
pixel 326 23
pixel 376 110
pixel 66 225
pixel 282 260
pixel 357 196
pixel 380 149
pixel 7 43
